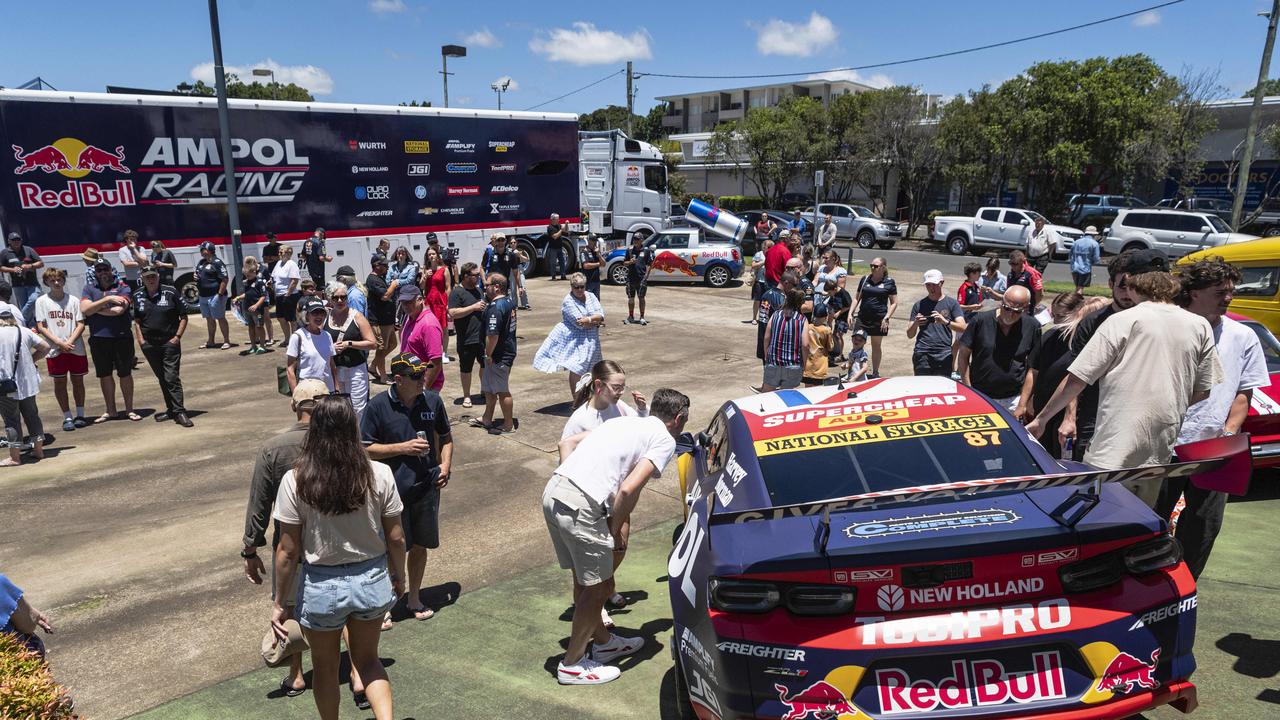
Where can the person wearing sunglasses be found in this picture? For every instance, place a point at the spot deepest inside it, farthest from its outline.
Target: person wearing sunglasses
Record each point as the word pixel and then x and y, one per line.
pixel 309 353
pixel 875 300
pixel 999 352
pixel 407 428
pixel 352 340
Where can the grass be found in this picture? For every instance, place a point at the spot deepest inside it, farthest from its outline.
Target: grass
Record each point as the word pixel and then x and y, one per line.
pixel 1053 287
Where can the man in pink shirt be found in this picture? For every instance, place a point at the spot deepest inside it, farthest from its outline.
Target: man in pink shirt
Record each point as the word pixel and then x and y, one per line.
pixel 421 334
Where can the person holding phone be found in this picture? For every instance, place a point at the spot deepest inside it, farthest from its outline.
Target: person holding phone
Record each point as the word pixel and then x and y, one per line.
pixel 935 318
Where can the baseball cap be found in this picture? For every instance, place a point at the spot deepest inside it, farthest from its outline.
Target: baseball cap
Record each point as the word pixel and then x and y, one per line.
pixel 408 292
pixel 1091 230
pixel 149 270
pixel 276 650
pixel 860 334
pixel 408 364
pixel 431 238
pixel 311 304
pixel 102 264
pixel 345 270
pixel 784 233
pixel 206 245
pixel 1145 261
pixel 498 236
pixel 933 277
pixel 819 310
pixel 6 312
pixel 378 259
pixel 14 236
pixel 309 389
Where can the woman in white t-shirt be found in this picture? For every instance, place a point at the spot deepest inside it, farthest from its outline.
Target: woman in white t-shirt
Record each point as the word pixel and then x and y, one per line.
pixel 285 277
pixel 310 350
pixel 341 513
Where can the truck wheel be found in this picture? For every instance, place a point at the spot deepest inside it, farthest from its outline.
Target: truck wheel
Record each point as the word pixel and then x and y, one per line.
pixel 570 256
pixel 957 244
pixel 531 268
pixel 190 292
pixel 885 244
pixel 1133 246
pixel 717 276
pixel 866 239
pixel 618 274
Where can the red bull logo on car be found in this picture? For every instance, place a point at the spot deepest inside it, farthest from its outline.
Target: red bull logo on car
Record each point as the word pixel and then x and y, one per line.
pixel 1127 673
pixel 821 701
pixel 972 684
pixel 667 261
pixel 74 159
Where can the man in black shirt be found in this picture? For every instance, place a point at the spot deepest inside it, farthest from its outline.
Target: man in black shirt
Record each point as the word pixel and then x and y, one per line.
pixel 466 308
pixel 555 251
pixel 19 264
pixel 639 260
pixel 382 316
pixel 407 428
pixel 500 258
pixel 999 351
pixel 590 263
pixel 164 261
pixel 160 322
pixel 500 355
pixel 313 257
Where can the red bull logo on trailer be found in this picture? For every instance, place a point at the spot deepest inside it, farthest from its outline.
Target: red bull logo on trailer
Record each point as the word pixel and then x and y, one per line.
pixel 74 159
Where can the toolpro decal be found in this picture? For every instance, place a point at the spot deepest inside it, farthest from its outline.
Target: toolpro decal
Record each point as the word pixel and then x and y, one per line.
pixel 502 167
pixel 74 159
pixel 972 684
pixel 931 523
pixel 1160 614
pixel 985 624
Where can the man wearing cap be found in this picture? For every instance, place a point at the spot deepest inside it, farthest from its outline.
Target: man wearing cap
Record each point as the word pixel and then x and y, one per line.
pixel 1021 273
pixel 590 262
pixel 276 458
pixel 382 316
pixel 934 318
pixel 500 355
pixel 466 310
pixel 501 259
pixel 999 351
pixel 1150 362
pixel 797 225
pixel 639 261
pixel 313 256
pixel 407 428
pixel 1085 252
pixel 421 334
pixel 555 251
pixel 105 307
pixel 211 285
pixel 1042 242
pixel 131 258
pixel 19 264
pixel 355 296
pixel 160 323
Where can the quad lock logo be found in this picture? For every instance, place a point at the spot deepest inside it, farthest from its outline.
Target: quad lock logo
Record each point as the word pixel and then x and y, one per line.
pixel 373 192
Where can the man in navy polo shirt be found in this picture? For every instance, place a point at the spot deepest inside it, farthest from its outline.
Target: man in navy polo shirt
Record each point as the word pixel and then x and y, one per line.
pixel 105 305
pixel 407 428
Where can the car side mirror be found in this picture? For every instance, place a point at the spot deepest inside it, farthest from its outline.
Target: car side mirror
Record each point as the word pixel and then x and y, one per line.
pixel 1025 221
pixel 1206 229
pixel 1106 230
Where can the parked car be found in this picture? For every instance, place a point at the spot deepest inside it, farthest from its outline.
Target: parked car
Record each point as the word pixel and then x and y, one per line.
pixel 683 255
pixel 860 223
pixel 795 200
pixel 1263 421
pixel 1175 232
pixel 1081 206
pixel 780 217
pixel 1221 208
pixel 677 216
pixel 1258 292
pixel 995 228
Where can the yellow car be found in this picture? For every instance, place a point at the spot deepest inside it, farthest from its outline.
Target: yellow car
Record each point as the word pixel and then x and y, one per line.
pixel 1259 263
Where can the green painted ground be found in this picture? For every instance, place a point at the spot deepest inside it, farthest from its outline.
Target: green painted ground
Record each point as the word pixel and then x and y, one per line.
pixel 491 655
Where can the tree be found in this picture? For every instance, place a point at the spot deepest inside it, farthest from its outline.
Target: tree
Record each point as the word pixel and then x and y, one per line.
pixel 647 128
pixel 1189 122
pixel 252 91
pixel 1269 88
pixel 773 145
pixel 850 164
pixel 415 103
pixel 900 138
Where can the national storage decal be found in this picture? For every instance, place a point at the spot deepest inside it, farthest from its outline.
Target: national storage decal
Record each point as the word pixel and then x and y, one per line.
pixel 79 174
pixel 873 433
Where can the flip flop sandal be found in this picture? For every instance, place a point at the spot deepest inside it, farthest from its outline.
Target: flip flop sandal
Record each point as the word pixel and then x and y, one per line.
pixel 477 423
pixel 289 689
pixel 224 346
pixel 104 417
pixel 133 416
pixel 466 403
pixel 386 622
pixel 362 702
pixel 425 613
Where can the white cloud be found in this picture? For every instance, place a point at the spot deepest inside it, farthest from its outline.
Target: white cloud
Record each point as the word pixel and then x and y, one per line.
pixel 587 45
pixel 877 80
pixel 315 79
pixel 1147 19
pixel 384 7
pixel 507 78
pixel 462 101
pixel 779 37
pixel 482 38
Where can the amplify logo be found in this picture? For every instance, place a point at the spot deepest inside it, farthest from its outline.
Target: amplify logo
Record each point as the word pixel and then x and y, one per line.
pixel 462 190
pixel 502 167
pixel 72 158
pixel 461 168
pixel 460 147
pixel 366 145
pixel 417 147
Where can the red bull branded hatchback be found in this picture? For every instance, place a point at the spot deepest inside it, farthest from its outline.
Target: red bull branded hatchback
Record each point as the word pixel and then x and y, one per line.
pixel 901 548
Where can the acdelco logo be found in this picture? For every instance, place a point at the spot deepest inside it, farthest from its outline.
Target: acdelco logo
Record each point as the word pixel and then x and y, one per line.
pixel 72 158
pixel 499 189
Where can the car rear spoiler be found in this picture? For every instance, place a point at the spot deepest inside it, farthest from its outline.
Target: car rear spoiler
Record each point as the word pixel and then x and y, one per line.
pixel 1217 464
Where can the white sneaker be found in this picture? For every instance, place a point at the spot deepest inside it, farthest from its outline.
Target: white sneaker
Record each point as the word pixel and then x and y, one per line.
pixel 604 618
pixel 616 647
pixel 445 359
pixel 586 672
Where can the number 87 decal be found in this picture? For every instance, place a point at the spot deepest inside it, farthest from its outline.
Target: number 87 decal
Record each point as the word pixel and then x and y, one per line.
pixel 680 565
pixel 982 438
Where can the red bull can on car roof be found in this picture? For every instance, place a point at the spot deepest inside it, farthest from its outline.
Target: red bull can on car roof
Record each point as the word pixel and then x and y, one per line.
pixel 718 221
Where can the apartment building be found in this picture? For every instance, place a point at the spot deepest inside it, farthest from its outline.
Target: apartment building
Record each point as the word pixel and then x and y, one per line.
pixel 702 111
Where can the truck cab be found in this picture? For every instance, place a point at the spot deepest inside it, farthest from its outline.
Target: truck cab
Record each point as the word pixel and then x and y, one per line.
pixel 623 185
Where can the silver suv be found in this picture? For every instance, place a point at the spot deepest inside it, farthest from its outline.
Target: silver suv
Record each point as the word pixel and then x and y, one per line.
pixel 1174 232
pixel 860 223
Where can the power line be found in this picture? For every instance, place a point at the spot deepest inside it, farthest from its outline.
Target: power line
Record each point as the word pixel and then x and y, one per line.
pixel 575 92
pixel 925 57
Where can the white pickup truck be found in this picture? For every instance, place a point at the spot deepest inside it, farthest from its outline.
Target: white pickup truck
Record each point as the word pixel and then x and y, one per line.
pixel 995 228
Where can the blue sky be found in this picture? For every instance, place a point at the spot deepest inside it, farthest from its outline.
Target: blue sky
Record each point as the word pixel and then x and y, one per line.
pixel 386 51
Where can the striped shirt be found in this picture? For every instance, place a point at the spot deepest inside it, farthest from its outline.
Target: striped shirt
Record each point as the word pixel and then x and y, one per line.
pixel 786 329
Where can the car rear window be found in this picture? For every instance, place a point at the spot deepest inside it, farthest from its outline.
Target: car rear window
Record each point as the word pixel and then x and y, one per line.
pixel 949 455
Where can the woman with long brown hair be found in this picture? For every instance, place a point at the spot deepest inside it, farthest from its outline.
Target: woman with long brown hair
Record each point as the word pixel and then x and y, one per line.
pixel 340 512
pixel 436 284
pixel 1067 310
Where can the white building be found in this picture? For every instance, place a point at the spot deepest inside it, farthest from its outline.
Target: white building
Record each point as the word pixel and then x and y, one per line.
pixel 702 111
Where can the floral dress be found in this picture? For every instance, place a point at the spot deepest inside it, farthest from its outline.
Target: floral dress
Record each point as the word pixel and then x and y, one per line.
pixel 569 347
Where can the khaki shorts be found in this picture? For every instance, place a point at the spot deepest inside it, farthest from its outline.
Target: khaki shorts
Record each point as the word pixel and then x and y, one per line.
pixel 495 379
pixel 579 531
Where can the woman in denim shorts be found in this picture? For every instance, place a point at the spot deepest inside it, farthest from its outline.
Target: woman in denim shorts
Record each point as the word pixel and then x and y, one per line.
pixel 341 513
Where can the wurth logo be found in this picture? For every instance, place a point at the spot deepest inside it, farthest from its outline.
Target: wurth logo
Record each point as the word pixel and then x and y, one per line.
pixel 366 145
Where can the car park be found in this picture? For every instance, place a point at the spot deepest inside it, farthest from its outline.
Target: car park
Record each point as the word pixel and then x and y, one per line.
pixel 1173 232
pixel 683 255
pixel 995 228
pixel 860 224
pixel 901 547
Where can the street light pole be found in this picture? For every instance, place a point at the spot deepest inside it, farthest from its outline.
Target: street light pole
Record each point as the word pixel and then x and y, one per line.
pixel 500 88
pixel 264 72
pixel 224 132
pixel 446 52
pixel 1255 114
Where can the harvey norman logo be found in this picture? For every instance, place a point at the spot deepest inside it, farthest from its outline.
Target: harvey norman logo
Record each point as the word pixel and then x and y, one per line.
pixel 457 190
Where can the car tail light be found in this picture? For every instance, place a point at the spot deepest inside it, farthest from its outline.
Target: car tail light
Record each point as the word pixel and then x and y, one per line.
pixel 743 596
pixel 736 256
pixel 819 599
pixel 1106 569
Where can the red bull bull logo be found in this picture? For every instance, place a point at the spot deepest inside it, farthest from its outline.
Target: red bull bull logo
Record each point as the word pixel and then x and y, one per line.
pixel 667 261
pixel 73 159
pixel 1127 673
pixel 821 700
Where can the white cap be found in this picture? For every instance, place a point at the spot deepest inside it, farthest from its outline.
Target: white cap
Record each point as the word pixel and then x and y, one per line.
pixel 933 277
pixel 1091 230
pixel 784 233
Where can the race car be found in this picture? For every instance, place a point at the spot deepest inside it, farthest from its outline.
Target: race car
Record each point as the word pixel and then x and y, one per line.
pixel 683 255
pixel 1263 422
pixel 902 548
